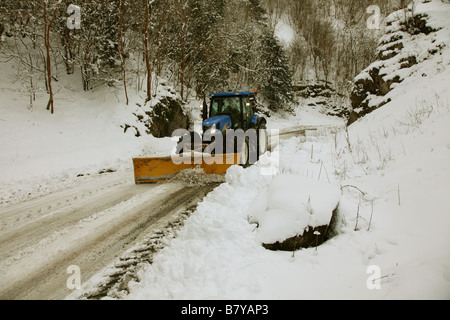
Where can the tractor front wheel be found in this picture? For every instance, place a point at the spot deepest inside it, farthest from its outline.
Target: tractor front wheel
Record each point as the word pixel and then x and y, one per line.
pixel 245 153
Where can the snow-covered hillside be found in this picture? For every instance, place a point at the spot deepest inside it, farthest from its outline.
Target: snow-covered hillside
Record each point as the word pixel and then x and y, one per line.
pixel 392 241
pixel 406 50
pixel 40 151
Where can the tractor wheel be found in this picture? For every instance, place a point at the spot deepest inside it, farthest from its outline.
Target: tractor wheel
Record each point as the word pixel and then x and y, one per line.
pixel 245 153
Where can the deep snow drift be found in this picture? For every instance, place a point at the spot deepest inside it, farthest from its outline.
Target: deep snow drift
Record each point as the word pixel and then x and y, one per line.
pixel 290 204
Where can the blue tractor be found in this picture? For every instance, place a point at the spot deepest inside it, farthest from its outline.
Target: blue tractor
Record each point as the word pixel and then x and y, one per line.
pixel 231 125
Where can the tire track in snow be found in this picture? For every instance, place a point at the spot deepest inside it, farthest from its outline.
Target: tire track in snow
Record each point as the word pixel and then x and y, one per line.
pixel 90 243
pixel 21 238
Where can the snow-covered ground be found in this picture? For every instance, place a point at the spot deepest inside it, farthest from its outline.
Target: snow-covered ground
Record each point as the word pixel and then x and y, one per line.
pixel 392 169
pixel 398 237
pixel 392 241
pixel 41 152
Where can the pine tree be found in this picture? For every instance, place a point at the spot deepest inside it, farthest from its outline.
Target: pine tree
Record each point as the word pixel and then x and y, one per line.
pixel 276 77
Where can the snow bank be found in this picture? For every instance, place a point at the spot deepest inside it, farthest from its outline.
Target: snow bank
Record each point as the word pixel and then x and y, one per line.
pixel 290 204
pixel 217 237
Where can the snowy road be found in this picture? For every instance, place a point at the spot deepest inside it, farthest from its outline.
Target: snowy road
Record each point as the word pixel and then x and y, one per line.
pixel 293 131
pixel 87 225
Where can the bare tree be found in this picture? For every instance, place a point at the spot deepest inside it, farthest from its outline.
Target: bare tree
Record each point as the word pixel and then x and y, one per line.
pixel 121 45
pixel 146 48
pixel 48 21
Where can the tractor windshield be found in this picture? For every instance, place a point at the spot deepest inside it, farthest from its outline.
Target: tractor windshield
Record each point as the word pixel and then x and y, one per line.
pixel 226 106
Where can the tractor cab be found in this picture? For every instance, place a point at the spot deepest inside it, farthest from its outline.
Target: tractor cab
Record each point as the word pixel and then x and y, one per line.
pixel 233 110
pixel 231 114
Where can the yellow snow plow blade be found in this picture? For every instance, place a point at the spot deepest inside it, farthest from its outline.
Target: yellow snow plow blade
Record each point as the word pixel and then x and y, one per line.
pixel 151 170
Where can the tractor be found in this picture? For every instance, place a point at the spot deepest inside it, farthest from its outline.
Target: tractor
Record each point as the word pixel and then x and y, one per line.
pixel 230 125
pixel 231 134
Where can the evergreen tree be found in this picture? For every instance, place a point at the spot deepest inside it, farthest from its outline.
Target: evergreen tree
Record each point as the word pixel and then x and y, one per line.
pixel 276 77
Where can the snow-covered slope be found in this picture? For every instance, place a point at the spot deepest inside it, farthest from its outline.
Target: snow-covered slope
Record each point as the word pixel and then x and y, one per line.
pixel 392 239
pixel 411 48
pixel 83 136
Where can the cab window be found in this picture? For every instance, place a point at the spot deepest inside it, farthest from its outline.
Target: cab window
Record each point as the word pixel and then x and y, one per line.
pixel 215 107
pixel 226 105
pixel 248 109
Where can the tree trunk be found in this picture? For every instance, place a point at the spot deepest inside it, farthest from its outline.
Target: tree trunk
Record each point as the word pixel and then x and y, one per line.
pixel 48 65
pixel 147 52
pixel 121 48
pixel 183 64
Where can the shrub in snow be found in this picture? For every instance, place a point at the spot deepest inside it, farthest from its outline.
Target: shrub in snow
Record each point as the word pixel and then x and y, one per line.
pixel 294 212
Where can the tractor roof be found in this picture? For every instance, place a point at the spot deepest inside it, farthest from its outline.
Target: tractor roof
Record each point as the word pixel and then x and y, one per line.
pixel 233 94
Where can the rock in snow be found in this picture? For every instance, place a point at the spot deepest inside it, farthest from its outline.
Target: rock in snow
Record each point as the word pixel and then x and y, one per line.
pixel 292 206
